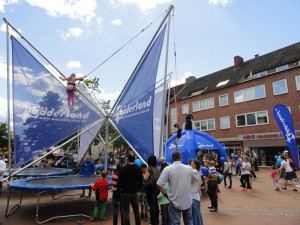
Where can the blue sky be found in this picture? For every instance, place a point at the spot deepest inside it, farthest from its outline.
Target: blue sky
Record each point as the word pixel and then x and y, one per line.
pixel 76 36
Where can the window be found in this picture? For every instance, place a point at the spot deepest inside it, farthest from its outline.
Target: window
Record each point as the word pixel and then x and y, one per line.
pixel 298 82
pixel 203 104
pixel 185 108
pixel 225 122
pixel 281 68
pixel 222 83
pixel 197 92
pixel 250 94
pixel 204 125
pixel 279 87
pixel 250 119
pixel 223 100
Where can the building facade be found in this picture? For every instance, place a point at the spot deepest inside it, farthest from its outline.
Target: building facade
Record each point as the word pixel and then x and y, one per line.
pixel 235 105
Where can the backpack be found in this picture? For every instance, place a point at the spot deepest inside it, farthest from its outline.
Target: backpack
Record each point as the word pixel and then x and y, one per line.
pixel 150 184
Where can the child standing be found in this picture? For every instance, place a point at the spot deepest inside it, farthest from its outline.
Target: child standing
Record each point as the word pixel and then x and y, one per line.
pixel 164 206
pixel 275 178
pixel 101 187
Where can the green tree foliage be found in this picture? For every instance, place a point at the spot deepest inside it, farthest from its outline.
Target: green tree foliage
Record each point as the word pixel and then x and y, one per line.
pixel 4 136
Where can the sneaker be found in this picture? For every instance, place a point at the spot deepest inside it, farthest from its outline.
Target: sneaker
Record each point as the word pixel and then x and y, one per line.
pixel 283 188
pixel 104 218
pixel 142 216
pixel 93 219
pixel 229 187
pixel 210 207
pixel 295 190
pixel 246 191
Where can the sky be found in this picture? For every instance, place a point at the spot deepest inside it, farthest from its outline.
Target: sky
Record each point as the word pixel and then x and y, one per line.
pixel 78 35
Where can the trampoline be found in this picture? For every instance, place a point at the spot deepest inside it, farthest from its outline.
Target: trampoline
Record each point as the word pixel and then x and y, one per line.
pixel 50 184
pixel 41 172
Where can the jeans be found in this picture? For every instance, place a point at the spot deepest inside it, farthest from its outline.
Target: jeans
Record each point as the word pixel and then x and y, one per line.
pixel 212 189
pixel 196 213
pixel 230 180
pixel 153 205
pixel 116 197
pixel 165 220
pixel 126 200
pixel 246 178
pixel 175 215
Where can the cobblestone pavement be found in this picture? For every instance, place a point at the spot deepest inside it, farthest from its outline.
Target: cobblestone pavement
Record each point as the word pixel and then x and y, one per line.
pixel 262 206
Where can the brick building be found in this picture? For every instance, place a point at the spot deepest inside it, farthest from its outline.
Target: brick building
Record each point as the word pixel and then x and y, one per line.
pixel 235 105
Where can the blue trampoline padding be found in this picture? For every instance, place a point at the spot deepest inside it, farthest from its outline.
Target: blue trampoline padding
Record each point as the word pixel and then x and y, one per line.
pixel 40 172
pixel 55 183
pixel 101 167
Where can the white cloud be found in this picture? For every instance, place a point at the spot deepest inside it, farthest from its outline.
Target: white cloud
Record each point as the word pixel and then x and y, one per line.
pixel 72 32
pixel 145 5
pixel 75 32
pixel 3 27
pixel 117 22
pixel 3 109
pixel 74 64
pixel 11 31
pixel 6 2
pixel 83 10
pixel 3 67
pixel 173 83
pixel 222 2
pixel 109 96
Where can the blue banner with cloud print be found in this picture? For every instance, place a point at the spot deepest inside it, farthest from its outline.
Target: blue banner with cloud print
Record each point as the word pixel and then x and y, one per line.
pixel 133 114
pixel 285 122
pixel 41 115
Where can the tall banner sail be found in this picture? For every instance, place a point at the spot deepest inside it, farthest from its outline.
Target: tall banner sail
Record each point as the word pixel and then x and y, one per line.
pixel 157 111
pixel 42 117
pixel 133 114
pixel 285 122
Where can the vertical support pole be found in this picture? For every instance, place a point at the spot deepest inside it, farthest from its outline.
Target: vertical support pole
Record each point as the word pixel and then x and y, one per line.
pixel 163 113
pixel 106 144
pixel 8 99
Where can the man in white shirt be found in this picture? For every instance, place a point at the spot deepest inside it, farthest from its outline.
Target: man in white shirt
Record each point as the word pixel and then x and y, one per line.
pixel 180 178
pixel 2 170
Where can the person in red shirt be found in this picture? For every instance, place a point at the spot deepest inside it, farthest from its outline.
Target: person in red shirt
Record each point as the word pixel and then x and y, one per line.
pixel 101 190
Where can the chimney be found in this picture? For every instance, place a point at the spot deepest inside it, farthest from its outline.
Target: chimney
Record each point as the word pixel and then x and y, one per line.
pixel 190 79
pixel 238 60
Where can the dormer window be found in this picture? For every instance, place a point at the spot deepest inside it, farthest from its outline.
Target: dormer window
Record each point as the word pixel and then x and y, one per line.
pixel 222 83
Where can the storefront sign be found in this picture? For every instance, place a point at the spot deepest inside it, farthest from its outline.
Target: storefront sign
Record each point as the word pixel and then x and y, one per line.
pixel 269 135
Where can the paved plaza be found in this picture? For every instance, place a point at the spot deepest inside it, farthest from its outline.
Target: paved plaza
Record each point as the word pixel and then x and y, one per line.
pixel 262 206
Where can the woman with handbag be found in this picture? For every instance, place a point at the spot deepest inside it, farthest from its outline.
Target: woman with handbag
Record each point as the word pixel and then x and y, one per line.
pixel 228 172
pixel 151 176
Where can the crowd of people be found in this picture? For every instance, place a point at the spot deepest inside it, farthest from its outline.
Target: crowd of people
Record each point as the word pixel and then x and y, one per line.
pixel 172 191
